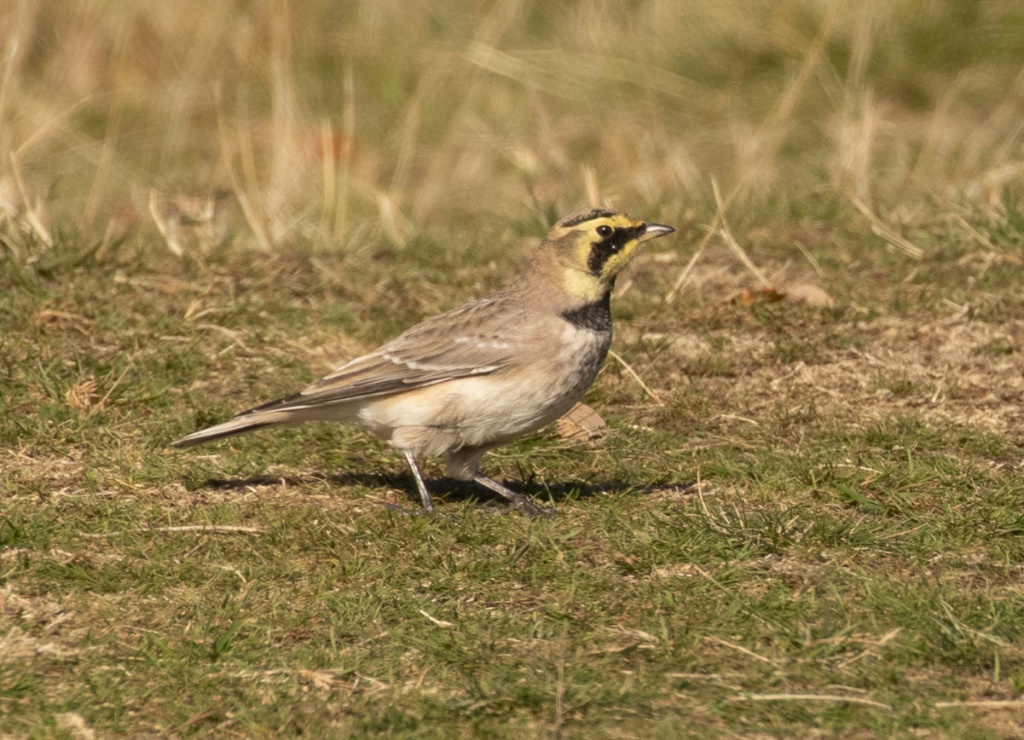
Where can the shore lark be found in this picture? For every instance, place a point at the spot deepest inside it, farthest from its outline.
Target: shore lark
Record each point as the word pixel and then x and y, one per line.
pixel 477 377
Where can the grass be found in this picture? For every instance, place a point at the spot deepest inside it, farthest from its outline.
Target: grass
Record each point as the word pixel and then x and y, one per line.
pixel 806 520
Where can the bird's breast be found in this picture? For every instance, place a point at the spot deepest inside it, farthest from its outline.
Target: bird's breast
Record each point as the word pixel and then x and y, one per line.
pixel 491 409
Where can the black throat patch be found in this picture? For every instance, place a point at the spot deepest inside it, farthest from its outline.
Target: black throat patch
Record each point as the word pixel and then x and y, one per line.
pixel 596 316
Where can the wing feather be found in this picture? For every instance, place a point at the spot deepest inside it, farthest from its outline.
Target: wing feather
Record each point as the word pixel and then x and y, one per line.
pixel 478 338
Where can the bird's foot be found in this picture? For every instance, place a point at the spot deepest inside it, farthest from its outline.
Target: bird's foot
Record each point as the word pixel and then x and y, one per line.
pixel 532 510
pixel 517 501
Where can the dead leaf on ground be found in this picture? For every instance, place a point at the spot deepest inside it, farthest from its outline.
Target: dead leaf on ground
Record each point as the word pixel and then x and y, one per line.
pixel 582 423
pixel 807 293
pixel 810 294
pixel 763 295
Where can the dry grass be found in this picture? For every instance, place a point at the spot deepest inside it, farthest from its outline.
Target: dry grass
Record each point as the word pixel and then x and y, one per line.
pixel 285 124
pixel 803 516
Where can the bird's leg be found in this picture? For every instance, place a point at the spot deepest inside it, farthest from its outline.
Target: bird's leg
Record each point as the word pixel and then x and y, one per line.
pixel 428 504
pixel 518 500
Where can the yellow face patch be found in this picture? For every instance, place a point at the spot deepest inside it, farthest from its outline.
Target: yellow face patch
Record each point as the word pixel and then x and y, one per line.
pixel 594 247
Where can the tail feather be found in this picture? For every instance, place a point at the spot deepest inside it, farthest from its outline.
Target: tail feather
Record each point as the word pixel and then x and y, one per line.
pixel 238 425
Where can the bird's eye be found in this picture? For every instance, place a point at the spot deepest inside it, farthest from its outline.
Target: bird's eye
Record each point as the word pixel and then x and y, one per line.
pixel 604 231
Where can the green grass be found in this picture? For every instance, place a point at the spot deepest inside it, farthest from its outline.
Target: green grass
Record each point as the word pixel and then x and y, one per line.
pixel 805 521
pixel 833 535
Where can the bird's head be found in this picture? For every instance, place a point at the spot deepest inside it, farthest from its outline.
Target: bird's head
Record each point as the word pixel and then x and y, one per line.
pixel 592 247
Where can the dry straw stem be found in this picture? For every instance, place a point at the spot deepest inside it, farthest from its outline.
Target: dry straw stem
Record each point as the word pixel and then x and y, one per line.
pixel 740 649
pixel 590 185
pixel 881 229
pixel 33 212
pixel 730 240
pixel 186 528
pixel 810 697
pixel 435 621
pixel 959 212
pixel 764 147
pixel 247 193
pixel 709 232
pixel 337 160
pixel 633 373
pixel 169 237
pixel 5 79
pixel 720 227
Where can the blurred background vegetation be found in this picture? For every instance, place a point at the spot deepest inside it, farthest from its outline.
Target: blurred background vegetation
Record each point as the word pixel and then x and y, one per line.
pixel 268 124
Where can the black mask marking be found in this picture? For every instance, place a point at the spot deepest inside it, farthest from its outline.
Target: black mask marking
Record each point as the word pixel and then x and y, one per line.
pixel 601 252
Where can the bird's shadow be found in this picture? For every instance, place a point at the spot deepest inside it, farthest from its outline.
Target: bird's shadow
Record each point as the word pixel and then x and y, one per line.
pixel 448 489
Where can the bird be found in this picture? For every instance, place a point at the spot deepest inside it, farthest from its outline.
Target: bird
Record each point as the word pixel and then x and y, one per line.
pixel 480 375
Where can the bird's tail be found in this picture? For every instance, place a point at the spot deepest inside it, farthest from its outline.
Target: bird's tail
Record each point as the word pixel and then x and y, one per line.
pixel 239 425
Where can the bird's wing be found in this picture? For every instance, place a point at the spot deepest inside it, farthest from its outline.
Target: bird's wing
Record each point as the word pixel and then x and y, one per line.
pixel 476 339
